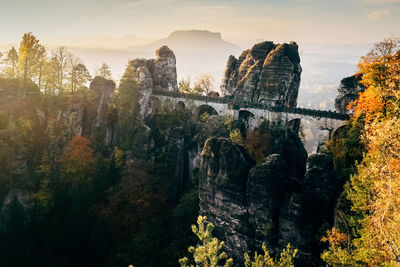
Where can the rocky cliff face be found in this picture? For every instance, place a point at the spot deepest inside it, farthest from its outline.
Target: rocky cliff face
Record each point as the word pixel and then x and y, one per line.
pixel 349 89
pixel 158 73
pixel 177 162
pixel 102 90
pixel 100 111
pixel 222 192
pixel 250 204
pixel 267 73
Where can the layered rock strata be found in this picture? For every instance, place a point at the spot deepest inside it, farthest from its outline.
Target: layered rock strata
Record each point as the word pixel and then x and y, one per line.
pixel 267 73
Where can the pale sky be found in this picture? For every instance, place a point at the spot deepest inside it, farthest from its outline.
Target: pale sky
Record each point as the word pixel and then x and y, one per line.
pixel 334 21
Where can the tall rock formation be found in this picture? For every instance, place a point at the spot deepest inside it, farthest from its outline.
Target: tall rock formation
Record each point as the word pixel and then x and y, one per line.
pixel 102 89
pixel 267 73
pixel 144 79
pixel 222 192
pixel 349 89
pixel 177 162
pixel 266 203
pixel 98 114
pixel 158 73
pixel 163 70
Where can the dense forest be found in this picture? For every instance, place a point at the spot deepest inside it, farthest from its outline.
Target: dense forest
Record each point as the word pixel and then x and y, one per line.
pixel 79 209
pixel 89 193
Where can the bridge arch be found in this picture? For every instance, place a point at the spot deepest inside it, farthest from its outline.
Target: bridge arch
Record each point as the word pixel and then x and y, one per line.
pixel 180 105
pixel 246 117
pixel 200 110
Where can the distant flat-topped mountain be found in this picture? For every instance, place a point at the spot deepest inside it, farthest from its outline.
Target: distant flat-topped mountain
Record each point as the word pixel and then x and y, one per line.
pixel 201 40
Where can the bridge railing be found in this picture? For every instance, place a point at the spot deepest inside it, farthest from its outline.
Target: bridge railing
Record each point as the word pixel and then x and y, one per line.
pixel 245 104
pixel 295 110
pixel 192 96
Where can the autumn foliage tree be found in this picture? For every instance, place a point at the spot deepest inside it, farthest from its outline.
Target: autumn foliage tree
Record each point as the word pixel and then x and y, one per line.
pixel 54 73
pixel 258 144
pixel 28 57
pixel 370 235
pixel 203 84
pixel 78 163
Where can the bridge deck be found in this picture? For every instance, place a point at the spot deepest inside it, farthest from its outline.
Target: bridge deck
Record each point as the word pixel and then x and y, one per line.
pixel 301 111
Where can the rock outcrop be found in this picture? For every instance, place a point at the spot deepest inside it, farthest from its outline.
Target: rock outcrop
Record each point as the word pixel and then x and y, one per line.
pixel 142 144
pixel 349 89
pixel 308 205
pixel 222 192
pixel 98 118
pixel 266 203
pixel 266 188
pixel 102 90
pixel 99 110
pixel 177 162
pixel 267 73
pixel 163 70
pixel 158 73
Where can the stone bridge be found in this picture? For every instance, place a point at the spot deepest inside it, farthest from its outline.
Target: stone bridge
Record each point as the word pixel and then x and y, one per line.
pixel 318 124
pixel 261 85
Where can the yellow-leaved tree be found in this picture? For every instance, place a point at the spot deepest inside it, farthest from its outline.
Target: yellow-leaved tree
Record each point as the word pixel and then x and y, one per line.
pixel 208 253
pixel 370 236
pixel 30 52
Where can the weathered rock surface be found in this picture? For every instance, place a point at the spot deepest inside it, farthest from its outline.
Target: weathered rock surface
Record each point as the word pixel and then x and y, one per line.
pixel 222 192
pixel 268 202
pixel 308 207
pixel 158 73
pixel 177 162
pixel 349 89
pixel 267 73
pixel 102 89
pixel 163 69
pixel 144 80
pixel 142 144
pixel 266 188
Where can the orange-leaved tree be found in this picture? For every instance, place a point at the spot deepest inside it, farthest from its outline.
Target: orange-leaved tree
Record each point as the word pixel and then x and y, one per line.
pixel 78 163
pixel 372 225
